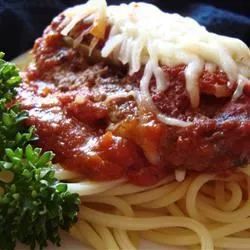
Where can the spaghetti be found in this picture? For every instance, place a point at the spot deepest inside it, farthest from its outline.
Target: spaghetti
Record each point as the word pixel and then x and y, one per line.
pixel 187 213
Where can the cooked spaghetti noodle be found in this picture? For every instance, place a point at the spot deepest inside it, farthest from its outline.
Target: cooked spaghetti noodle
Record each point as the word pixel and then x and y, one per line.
pixel 204 210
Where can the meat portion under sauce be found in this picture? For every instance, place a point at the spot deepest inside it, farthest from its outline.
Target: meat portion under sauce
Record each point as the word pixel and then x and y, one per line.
pixel 75 108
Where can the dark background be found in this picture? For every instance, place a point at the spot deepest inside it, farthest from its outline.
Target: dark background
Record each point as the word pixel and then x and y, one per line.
pixel 22 21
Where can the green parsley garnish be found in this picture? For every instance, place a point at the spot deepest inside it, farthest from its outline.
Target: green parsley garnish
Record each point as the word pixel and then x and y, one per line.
pixel 34 205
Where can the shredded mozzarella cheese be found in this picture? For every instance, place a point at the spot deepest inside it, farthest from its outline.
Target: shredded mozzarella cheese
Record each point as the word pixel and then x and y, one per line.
pixel 120 95
pixel 242 81
pixel 143 35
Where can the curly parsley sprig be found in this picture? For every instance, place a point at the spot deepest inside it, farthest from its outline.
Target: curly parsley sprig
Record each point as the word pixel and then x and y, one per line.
pixel 34 205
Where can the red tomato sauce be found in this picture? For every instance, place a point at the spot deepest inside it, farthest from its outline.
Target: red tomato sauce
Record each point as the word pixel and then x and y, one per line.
pixel 66 95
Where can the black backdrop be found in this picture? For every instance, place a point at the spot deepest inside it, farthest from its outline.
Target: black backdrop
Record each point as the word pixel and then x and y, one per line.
pixel 21 21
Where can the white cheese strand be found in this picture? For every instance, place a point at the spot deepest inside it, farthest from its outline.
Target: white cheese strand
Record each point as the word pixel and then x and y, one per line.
pixel 124 51
pixel 111 44
pixel 192 73
pixel 161 81
pixel 145 97
pixel 136 56
pixel 120 95
pixel 210 67
pixel 147 102
pixel 242 81
pixel 173 121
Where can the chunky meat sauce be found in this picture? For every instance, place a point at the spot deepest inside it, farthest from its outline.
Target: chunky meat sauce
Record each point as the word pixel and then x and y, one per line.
pixel 70 103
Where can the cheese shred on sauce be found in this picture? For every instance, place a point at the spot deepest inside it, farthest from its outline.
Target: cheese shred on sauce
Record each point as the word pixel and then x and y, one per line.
pixel 142 35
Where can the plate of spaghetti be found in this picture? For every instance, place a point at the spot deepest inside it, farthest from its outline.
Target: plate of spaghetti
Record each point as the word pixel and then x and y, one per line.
pixel 148 116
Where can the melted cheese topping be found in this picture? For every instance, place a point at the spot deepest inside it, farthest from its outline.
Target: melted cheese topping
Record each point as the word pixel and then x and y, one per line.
pixel 120 95
pixel 142 35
